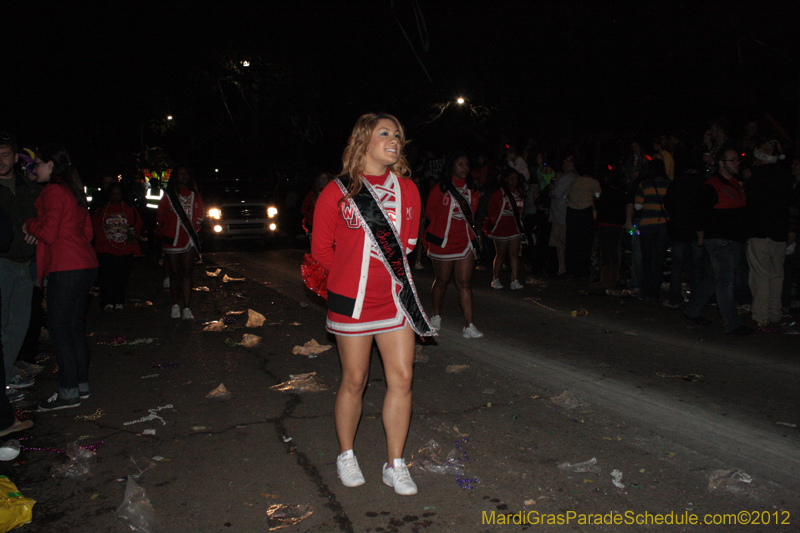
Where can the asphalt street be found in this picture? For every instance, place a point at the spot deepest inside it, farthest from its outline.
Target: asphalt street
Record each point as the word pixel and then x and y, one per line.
pixel 663 406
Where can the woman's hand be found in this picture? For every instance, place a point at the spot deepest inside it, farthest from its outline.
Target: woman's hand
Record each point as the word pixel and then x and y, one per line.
pixel 30 239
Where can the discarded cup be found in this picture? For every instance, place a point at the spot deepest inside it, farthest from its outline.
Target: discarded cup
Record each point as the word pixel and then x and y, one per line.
pixel 580 312
pixel 9 450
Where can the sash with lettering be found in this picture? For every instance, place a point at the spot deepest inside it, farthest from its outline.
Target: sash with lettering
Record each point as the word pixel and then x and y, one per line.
pixel 466 209
pixel 172 194
pixel 383 235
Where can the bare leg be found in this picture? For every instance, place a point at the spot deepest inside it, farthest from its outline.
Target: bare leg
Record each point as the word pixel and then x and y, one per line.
pixel 513 257
pixel 187 262
pixel 501 248
pixel 397 353
pixel 443 271
pixel 173 263
pixel 463 275
pixel 354 355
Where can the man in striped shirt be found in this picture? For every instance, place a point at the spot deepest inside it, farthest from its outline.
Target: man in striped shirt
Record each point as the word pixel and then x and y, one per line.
pixel 653 229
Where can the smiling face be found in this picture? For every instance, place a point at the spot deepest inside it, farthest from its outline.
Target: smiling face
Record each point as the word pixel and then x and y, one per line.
pixel 383 149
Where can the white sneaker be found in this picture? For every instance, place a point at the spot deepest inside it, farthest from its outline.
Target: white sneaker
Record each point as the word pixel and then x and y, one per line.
pixel 471 332
pixel 166 283
pixel 118 307
pixel 516 285
pixel 496 284
pixel 397 476
pixel 348 470
pixel 176 311
pixel 436 322
pixel 187 314
pixel 108 307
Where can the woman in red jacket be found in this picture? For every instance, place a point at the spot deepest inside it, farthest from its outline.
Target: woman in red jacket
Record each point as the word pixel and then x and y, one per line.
pixel 365 222
pixel 64 255
pixel 504 227
pixel 116 226
pixel 180 213
pixel 451 209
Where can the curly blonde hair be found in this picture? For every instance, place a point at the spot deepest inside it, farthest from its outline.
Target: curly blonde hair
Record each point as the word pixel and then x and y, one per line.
pixel 355 154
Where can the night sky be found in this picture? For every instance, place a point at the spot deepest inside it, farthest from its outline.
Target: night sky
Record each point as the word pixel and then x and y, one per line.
pixel 100 77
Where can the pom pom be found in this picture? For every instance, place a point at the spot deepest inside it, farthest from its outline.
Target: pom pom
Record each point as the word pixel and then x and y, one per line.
pixel 315 276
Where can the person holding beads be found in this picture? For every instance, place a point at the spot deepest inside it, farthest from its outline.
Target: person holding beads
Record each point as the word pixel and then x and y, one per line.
pixel 451 238
pixel 365 222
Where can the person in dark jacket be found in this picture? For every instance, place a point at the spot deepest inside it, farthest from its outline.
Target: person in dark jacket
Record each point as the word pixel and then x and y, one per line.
pixel 720 220
pixel 687 255
pixel 768 191
pixel 8 423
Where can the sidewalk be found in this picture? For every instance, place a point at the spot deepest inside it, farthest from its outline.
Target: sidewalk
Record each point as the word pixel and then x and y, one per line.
pixel 225 462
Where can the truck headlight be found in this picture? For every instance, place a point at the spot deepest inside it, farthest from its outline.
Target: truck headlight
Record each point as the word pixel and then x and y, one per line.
pixel 214 213
pixel 272 212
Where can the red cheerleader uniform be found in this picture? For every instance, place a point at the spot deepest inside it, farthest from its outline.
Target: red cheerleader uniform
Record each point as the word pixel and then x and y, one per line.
pixel 448 224
pixel 500 224
pixel 175 239
pixel 362 295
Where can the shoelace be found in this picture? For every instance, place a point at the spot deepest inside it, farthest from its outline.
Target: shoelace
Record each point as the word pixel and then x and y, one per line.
pixel 350 467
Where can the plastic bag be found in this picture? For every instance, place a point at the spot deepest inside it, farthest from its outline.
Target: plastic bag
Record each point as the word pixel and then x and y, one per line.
pixel 281 516
pixel 567 400
pixel 136 510
pixel 15 509
pixel 81 463
pixel 301 383
pixel 734 481
pixel 140 466
pixel 429 458
pixel 572 469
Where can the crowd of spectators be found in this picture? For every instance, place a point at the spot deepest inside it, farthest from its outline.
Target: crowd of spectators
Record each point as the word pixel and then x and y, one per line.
pixel 711 220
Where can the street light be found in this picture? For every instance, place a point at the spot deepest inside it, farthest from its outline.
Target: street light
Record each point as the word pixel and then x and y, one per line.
pixel 245 64
pixel 169 117
pixel 460 100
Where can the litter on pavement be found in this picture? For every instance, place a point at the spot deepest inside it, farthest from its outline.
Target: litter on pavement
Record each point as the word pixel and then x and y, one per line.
pixel 616 479
pixel 81 463
pixel 735 481
pixel 567 400
pixel 228 279
pixel 311 348
pixel 254 319
pixel 151 416
pixel 136 511
pixel 430 458
pixel 281 516
pixel 572 470
pixel 248 340
pixel 220 393
pixel 455 369
pixel 17 510
pixel 301 383
pixel 216 325
pixel 214 274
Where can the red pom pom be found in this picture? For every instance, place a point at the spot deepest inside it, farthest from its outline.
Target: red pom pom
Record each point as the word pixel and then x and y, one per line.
pixel 315 276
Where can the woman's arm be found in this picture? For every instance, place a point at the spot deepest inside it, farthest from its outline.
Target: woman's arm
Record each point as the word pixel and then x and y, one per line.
pixel 326 215
pixel 45 226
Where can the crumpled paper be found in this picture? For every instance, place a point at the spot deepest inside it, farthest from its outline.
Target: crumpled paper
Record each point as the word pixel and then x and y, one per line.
pixel 220 393
pixel 248 340
pixel 214 274
pixel 217 325
pixel 254 319
pixel 310 348
pixel 228 279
